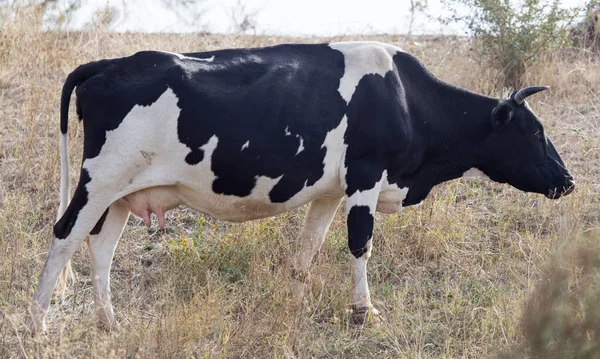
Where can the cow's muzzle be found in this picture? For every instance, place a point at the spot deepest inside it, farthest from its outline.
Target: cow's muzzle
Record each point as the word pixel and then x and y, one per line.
pixel 565 190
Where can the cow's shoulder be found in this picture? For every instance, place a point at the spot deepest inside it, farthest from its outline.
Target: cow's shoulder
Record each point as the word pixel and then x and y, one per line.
pixel 365 46
pixel 369 55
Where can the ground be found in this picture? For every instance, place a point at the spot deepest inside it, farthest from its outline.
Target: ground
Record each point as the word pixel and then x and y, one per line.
pixel 466 274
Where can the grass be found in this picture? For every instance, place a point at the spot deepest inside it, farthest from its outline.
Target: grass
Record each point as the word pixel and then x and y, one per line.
pixel 479 270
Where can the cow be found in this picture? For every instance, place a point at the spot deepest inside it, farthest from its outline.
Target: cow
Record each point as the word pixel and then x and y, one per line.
pixel 242 134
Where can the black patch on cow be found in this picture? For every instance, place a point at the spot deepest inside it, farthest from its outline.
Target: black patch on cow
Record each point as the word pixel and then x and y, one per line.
pixel 194 157
pixel 229 185
pixel 65 224
pixel 375 133
pixel 360 229
pixel 78 110
pixel 416 194
pixel 98 227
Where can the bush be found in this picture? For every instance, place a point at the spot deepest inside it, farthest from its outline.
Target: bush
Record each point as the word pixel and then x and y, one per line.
pixel 513 35
pixel 586 33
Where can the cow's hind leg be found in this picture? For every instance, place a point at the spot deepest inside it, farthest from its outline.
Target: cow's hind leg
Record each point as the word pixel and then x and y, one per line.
pixel 101 245
pixel 316 224
pixel 82 215
pixel 361 202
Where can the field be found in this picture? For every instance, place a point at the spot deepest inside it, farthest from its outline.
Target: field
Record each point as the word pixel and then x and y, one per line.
pixel 478 270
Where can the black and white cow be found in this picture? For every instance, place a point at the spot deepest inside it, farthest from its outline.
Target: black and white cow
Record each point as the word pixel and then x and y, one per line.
pixel 250 133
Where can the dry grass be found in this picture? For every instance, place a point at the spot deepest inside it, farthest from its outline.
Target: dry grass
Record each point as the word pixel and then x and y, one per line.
pixel 468 274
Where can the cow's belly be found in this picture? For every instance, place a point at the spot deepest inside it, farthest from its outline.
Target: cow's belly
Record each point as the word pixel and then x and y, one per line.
pixel 160 199
pixel 238 209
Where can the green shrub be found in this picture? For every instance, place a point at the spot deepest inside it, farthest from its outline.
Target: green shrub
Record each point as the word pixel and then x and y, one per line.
pixel 513 35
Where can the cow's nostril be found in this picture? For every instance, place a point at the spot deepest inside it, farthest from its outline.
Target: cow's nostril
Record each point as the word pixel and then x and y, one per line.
pixel 570 188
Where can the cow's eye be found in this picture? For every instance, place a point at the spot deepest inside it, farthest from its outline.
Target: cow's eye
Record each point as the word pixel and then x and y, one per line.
pixel 539 135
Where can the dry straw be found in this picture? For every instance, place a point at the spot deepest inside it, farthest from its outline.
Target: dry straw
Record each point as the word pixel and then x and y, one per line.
pixel 456 277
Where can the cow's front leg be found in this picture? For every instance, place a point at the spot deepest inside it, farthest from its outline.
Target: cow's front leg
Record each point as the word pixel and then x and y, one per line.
pixel 360 214
pixel 101 245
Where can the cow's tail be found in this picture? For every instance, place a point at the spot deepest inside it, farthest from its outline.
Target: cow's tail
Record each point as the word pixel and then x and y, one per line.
pixel 74 79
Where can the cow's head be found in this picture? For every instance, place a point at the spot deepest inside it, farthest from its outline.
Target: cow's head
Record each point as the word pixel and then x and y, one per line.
pixel 519 152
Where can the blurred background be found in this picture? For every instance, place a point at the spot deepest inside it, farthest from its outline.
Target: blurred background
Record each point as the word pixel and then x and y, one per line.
pixel 283 17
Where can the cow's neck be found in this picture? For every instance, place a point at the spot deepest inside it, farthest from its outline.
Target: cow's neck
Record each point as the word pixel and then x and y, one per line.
pixel 450 125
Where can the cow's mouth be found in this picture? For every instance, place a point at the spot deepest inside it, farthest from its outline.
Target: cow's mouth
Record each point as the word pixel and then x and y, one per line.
pixel 564 191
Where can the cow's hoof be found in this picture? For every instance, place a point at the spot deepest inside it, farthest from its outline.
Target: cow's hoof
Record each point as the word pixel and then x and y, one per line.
pixel 108 326
pixel 36 327
pixel 299 293
pixel 365 315
pixel 300 289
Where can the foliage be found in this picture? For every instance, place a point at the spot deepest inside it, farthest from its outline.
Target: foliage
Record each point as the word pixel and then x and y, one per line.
pixel 513 35
pixel 587 32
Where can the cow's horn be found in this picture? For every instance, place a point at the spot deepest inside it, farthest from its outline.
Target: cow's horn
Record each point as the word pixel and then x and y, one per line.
pixel 522 94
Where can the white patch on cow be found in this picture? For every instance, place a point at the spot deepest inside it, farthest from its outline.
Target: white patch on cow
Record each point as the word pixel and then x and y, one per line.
pixel 263 186
pixel 360 59
pixel 390 197
pixel 361 296
pixel 364 198
pixel 64 174
pixel 183 57
pixel 391 49
pixel 245 145
pixel 334 155
pixel 367 197
pixel 341 165
pixel 301 146
pixel 191 65
pixel 136 136
pixel 246 59
pixel 475 173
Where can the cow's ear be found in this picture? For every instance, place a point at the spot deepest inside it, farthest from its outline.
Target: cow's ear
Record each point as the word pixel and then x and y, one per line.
pixel 501 115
